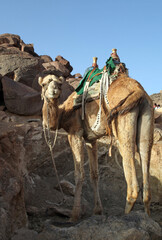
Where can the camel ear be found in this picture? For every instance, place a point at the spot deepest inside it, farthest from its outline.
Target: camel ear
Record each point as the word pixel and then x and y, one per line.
pixel 62 79
pixel 40 79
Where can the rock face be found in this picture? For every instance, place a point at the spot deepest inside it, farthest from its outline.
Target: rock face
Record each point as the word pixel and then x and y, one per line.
pixel 136 226
pixel 31 205
pixel 31 186
pixel 21 99
pixel 21 64
pixel 12 206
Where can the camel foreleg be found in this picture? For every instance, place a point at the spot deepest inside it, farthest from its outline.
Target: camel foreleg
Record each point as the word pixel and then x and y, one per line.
pixel 76 143
pixel 93 164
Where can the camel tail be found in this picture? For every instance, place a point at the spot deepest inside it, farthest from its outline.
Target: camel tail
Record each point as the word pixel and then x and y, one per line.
pixel 126 105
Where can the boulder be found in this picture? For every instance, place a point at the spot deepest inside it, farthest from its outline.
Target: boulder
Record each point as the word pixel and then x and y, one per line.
pixel 21 99
pixel 9 40
pixel 24 234
pixel 74 82
pixel 12 205
pixel 28 48
pixel 20 66
pixel 18 60
pixel 78 75
pixel 58 66
pixel 67 89
pixel 64 62
pixel 25 143
pixel 135 226
pixel 46 58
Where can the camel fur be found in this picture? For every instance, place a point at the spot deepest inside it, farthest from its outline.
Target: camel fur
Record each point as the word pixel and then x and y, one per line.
pixel 130 117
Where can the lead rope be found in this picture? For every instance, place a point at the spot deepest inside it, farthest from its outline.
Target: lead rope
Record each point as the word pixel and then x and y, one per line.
pixel 51 146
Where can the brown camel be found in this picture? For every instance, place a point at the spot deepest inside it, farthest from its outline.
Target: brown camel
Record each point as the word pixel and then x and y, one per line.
pixel 129 117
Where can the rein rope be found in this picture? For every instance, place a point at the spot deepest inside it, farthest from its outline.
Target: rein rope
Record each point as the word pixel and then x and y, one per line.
pixel 51 146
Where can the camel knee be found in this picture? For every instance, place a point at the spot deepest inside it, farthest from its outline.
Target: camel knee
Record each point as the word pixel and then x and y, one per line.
pixel 135 192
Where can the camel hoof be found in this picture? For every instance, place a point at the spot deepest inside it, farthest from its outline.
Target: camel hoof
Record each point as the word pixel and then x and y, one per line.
pixel 147 210
pixel 73 219
pixel 128 207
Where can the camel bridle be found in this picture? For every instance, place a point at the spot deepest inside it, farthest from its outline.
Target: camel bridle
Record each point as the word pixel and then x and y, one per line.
pixel 48 139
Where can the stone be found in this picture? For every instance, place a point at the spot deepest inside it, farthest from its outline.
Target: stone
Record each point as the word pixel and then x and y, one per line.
pixel 12 206
pixel 67 187
pixel 28 48
pixel 20 66
pixel 77 75
pixel 135 226
pixel 10 40
pixel 21 99
pixel 58 66
pixel 67 89
pixel 74 82
pixel 46 58
pixel 64 62
pixel 24 234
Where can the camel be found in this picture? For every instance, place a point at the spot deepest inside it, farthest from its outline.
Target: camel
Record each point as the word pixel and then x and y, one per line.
pixel 129 117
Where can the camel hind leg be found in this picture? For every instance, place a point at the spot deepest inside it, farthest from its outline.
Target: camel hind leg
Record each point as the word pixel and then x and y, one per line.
pixel 144 144
pixel 93 165
pixel 126 133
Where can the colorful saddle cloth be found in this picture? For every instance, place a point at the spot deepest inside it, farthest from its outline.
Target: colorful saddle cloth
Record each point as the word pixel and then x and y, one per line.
pixel 94 75
pixel 92 94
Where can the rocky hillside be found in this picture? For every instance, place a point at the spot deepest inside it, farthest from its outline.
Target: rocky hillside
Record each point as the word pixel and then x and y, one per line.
pixel 19 70
pixel 31 206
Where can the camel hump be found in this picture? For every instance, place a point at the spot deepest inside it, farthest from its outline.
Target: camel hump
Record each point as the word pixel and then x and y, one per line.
pixel 124 95
pixel 124 88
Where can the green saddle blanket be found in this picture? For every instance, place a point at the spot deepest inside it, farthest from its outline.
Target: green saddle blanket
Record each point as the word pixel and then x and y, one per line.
pixel 94 75
pixel 92 94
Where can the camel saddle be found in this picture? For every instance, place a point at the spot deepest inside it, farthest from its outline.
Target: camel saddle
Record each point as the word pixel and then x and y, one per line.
pixel 93 93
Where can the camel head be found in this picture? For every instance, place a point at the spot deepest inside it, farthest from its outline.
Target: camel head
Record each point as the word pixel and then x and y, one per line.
pixel 51 90
pixel 51 86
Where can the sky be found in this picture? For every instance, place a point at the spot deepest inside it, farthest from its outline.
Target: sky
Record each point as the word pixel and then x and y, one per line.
pixel 79 30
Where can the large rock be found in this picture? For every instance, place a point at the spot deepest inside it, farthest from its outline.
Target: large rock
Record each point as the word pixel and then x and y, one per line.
pixel 21 99
pixel 58 66
pixel 135 226
pixel 64 62
pixel 74 81
pixel 9 40
pixel 42 195
pixel 46 58
pixel 12 206
pixel 67 89
pixel 20 66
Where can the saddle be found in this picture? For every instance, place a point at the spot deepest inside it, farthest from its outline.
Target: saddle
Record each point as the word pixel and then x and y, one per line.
pixel 93 91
